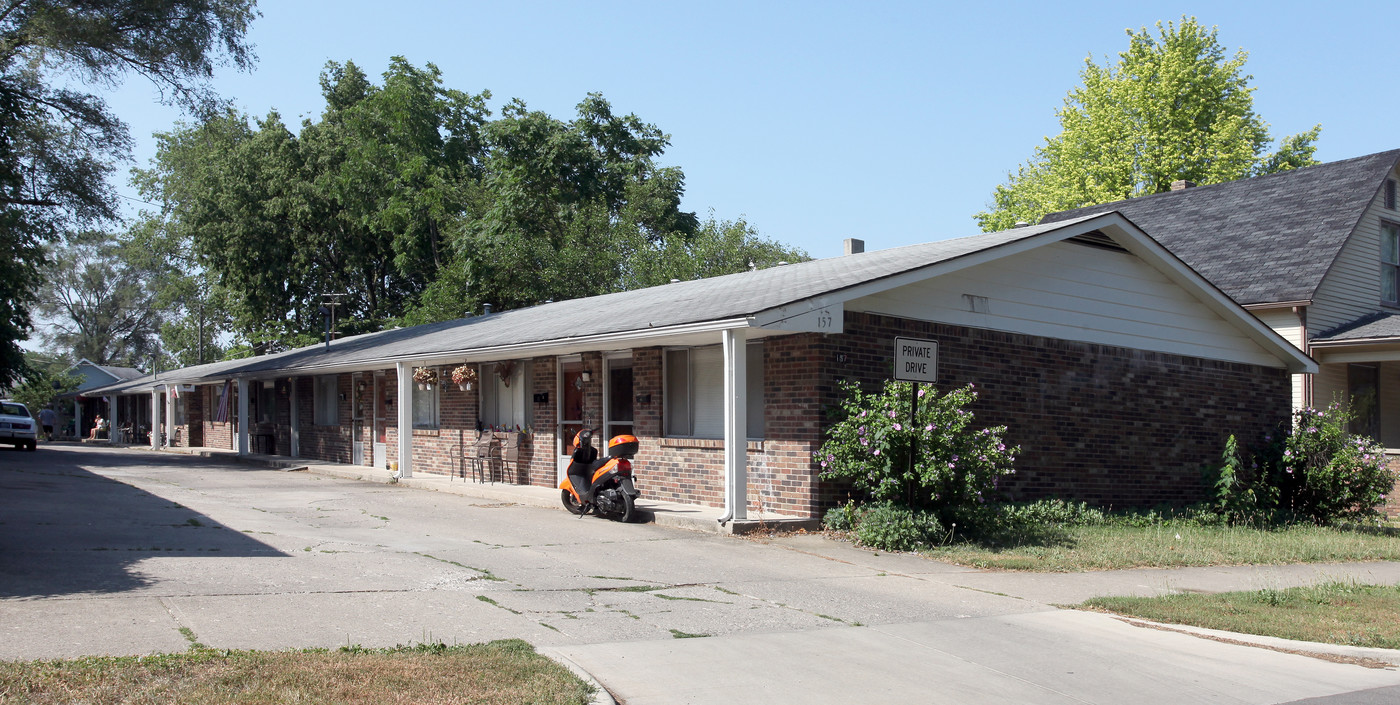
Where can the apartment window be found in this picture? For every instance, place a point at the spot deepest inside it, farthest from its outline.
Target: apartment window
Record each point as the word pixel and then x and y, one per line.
pixel 425 406
pixel 180 409
pixel 1390 262
pixel 327 408
pixel 694 392
pixel 263 401
pixel 503 398
pixel 1390 194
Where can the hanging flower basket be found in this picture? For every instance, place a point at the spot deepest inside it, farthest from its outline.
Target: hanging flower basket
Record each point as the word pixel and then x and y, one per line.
pixel 464 376
pixel 426 377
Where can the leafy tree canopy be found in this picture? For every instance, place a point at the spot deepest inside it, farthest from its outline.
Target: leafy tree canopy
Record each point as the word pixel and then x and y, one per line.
pixel 1173 106
pixel 58 144
pixel 410 203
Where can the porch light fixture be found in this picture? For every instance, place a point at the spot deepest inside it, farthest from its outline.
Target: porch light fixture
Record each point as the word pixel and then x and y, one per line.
pixel 585 376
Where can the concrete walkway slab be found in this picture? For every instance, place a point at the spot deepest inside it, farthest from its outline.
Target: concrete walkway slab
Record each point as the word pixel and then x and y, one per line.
pixel 1042 657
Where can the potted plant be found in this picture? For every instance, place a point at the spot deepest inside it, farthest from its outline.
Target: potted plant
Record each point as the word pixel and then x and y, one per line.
pixel 426 377
pixel 464 376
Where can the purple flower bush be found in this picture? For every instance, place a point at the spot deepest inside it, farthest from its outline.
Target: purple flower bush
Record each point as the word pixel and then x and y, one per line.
pixel 1325 472
pixel 956 463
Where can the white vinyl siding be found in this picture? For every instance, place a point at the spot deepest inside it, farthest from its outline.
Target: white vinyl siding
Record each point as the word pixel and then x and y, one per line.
pixel 1352 287
pixel 1289 327
pixel 327 408
pixel 695 392
pixel 1075 292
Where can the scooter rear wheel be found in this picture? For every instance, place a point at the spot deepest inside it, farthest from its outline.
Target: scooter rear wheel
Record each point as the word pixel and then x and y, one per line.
pixel 570 503
pixel 627 509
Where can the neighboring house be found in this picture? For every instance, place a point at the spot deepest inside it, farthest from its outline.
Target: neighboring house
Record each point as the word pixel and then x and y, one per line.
pixel 1315 254
pixel 93 376
pixel 1118 370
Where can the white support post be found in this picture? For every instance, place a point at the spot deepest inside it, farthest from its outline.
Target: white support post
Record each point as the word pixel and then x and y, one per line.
pixel 170 392
pixel 77 420
pixel 295 419
pixel 404 405
pixel 155 418
pixel 736 437
pixel 242 416
pixel 112 403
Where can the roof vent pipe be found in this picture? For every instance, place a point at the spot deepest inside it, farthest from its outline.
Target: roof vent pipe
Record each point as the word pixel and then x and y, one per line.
pixel 854 246
pixel 486 309
pixel 1021 224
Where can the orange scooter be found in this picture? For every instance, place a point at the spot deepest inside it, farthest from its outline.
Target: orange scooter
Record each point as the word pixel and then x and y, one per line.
pixel 612 492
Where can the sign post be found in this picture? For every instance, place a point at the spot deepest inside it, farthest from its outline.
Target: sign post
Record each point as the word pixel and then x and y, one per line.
pixel 915 361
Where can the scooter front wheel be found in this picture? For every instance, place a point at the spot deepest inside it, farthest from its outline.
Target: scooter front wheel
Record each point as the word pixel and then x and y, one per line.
pixel 570 503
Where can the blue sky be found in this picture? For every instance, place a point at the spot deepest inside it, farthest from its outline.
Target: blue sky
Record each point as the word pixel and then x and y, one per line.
pixel 891 122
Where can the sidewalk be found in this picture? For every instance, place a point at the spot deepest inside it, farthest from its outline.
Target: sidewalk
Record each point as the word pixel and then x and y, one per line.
pixel 670 514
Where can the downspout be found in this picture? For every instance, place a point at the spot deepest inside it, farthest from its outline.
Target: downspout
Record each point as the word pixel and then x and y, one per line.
pixel 736 439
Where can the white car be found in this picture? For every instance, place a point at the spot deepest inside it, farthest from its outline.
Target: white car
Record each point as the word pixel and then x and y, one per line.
pixel 17 427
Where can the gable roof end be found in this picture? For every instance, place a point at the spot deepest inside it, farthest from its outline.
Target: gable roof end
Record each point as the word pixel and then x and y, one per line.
pixel 1268 239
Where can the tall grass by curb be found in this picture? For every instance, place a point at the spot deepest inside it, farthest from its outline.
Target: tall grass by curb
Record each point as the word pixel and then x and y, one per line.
pixel 1332 613
pixel 504 672
pixel 1173 545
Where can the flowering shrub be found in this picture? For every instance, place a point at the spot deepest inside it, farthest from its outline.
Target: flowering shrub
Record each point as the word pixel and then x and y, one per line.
pixel 956 465
pixel 1325 473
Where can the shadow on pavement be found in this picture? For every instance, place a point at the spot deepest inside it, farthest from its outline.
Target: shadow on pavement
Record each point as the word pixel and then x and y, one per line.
pixel 65 530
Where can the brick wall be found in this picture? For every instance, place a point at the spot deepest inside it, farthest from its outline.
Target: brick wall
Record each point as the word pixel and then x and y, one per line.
pixel 1112 426
pixel 1109 425
pixel 1392 500
pixel 218 434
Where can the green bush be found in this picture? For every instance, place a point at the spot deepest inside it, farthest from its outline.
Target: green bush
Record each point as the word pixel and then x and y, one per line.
pixel 843 517
pixel 956 466
pixel 890 527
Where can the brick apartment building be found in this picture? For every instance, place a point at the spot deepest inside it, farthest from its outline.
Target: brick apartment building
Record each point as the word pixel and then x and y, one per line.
pixel 1117 368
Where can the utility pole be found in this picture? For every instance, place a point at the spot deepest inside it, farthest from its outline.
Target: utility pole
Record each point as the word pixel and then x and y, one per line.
pixel 329 303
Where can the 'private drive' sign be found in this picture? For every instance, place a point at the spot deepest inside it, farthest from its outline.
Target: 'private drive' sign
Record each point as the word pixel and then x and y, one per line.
pixel 915 360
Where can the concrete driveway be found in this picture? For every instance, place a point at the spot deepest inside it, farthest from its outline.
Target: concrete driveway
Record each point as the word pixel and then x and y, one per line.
pixel 108 551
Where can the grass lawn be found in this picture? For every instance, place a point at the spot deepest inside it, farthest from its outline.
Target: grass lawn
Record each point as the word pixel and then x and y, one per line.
pixel 1334 613
pixel 1110 547
pixel 505 672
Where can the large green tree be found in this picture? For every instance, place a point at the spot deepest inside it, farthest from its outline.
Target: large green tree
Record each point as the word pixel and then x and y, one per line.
pixel 356 206
pixel 96 305
pixel 58 144
pixel 1173 106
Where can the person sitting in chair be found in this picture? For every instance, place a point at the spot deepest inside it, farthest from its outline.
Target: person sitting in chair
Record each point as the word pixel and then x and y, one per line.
pixel 98 426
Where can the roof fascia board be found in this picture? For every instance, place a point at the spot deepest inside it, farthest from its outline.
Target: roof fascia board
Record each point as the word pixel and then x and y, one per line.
pixel 1275 304
pixel 1348 342
pixel 558 346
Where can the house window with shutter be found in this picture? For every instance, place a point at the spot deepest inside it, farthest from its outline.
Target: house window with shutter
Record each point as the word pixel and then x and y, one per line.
pixel 1390 262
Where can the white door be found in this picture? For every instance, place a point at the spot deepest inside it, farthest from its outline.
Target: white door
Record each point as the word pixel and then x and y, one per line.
pixel 357 420
pixel 381 446
pixel 570 411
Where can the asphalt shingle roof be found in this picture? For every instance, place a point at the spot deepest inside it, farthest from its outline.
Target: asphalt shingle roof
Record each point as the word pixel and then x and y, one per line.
pixel 669 305
pixel 691 302
pixel 1261 240
pixel 1377 325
